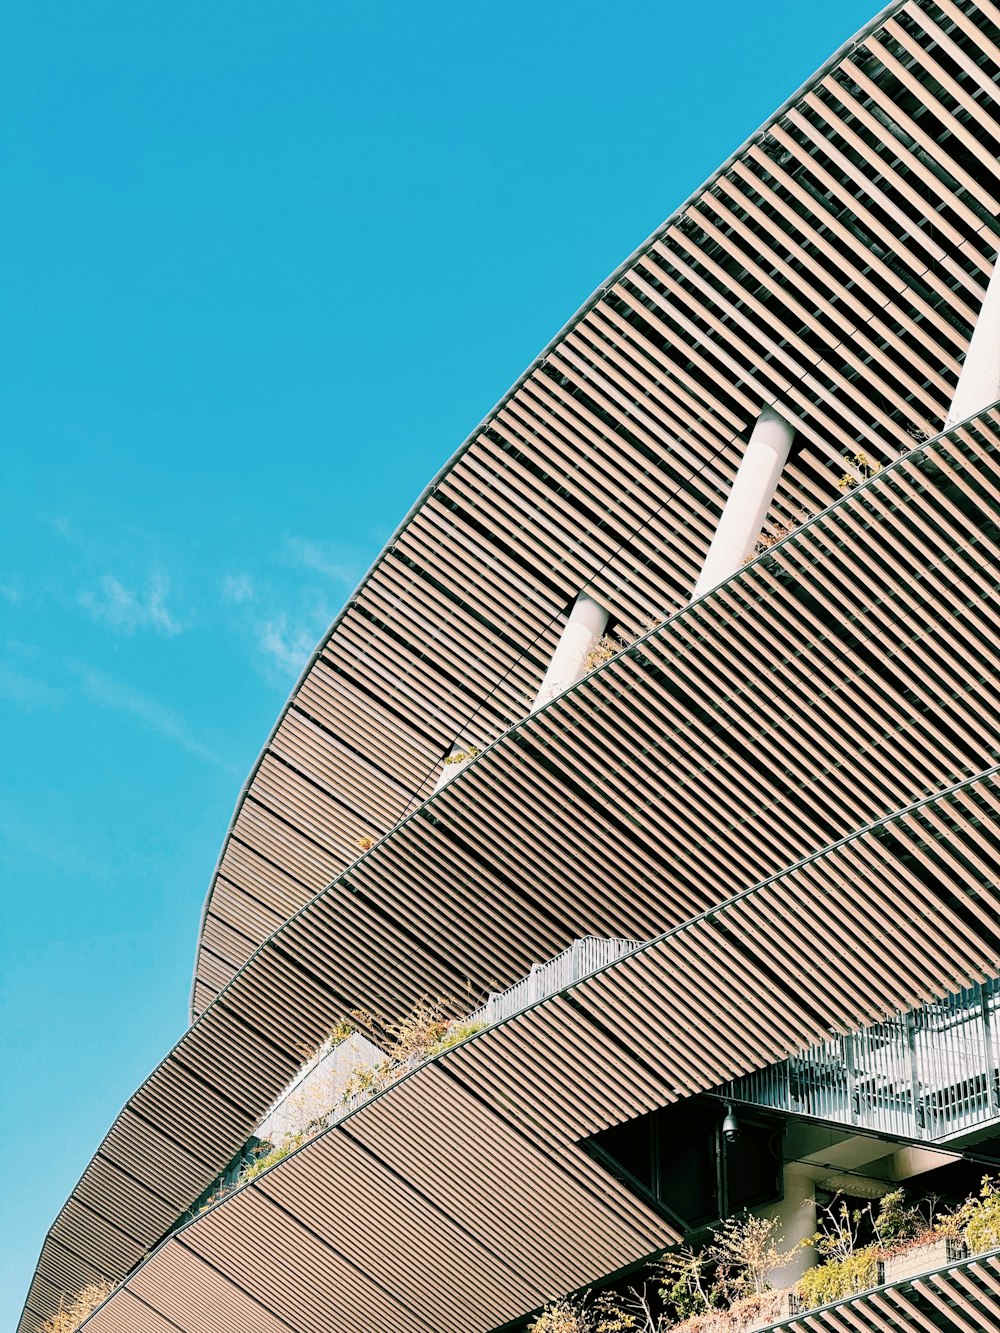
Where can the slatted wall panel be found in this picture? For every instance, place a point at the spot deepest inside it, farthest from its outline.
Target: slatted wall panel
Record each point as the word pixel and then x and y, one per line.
pixel 835 266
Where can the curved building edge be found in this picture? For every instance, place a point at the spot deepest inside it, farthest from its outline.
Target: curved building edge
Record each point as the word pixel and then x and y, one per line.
pixel 663 1072
pixel 853 501
pixel 653 1071
pixel 830 63
pixel 239 980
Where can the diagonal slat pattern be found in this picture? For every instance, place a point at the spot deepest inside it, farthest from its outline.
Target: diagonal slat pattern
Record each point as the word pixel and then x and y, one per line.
pixel 836 264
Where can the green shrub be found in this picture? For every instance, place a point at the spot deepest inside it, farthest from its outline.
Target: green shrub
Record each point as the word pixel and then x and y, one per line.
pixel 896 1221
pixel 978 1219
pixel 562 1317
pixel 269 1159
pixel 460 756
pixel 839 1277
pixel 456 1033
pixel 603 651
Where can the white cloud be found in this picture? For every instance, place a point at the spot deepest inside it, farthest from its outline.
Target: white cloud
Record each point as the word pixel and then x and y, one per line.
pixel 124 610
pixel 287 648
pixel 238 588
pixel 326 558
pixel 106 692
pixel 28 691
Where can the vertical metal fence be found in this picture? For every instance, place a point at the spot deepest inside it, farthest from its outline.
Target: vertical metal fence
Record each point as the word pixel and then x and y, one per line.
pixel 929 1074
pixel 317 1093
pixel 583 957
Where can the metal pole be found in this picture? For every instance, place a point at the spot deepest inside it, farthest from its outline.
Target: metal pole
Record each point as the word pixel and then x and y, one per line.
pixel 992 1092
pixel 919 1118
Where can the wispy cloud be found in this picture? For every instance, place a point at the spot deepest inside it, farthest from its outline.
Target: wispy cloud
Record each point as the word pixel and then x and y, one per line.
pixel 324 557
pixel 238 588
pixel 28 690
pixel 59 523
pixel 106 692
pixel 284 646
pixel 21 836
pixel 122 609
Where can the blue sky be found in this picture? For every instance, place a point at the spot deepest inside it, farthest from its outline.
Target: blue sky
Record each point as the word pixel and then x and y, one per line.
pixel 264 267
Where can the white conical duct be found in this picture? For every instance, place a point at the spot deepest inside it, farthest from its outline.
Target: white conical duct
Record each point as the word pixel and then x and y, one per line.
pixel 979 383
pixel 749 499
pixel 581 633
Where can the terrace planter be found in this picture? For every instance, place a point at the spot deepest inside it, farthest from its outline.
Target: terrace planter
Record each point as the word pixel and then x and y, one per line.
pixel 923 1258
pixel 454 764
pixel 747 1316
pixel 770 1307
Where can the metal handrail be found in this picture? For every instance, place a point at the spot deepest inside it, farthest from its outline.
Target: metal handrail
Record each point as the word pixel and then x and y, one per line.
pixel 932 1073
pixel 316 1094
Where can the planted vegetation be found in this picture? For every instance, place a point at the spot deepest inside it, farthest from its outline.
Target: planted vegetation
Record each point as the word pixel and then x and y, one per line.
pixel 72 1313
pixel 727 1286
pixel 427 1030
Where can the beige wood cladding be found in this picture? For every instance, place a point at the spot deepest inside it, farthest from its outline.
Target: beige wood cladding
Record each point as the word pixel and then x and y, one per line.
pixel 724 746
pixel 962 1298
pixel 821 728
pixel 900 911
pixel 836 265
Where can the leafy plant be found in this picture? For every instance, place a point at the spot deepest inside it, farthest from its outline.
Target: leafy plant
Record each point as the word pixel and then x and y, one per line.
pixel 744 1251
pixel 563 1317
pixel 725 1287
pixel 685 1282
pixel 865 468
pixel 608 1312
pixel 622 1314
pixel 69 1317
pixel 977 1221
pixel 603 651
pixel 460 756
pixel 896 1221
pixel 367 1080
pixel 456 1032
pixel 845 1276
pixel 605 648
pixel 340 1031
pixel 426 1031
pixel 839 1229
pixel 848 1266
pixel 271 1157
pixel 221 1193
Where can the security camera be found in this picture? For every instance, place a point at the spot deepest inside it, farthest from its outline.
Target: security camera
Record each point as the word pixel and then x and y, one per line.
pixel 730 1126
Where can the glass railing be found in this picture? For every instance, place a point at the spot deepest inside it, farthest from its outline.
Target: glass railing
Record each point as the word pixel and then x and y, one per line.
pixel 582 958
pixel 319 1085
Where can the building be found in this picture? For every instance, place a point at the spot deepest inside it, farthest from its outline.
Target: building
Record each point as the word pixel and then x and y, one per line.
pixel 703 615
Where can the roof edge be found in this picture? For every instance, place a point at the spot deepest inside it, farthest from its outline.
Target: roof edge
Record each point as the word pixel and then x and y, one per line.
pixel 830 63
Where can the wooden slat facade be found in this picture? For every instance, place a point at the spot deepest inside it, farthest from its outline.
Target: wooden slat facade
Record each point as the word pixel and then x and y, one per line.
pixel 789 787
pixel 835 265
pixel 904 909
